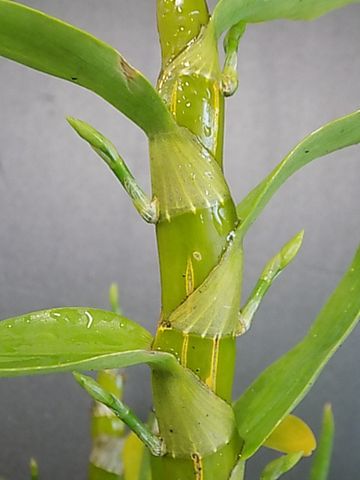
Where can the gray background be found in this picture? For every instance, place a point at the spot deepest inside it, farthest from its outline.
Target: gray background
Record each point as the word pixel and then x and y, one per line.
pixel 68 230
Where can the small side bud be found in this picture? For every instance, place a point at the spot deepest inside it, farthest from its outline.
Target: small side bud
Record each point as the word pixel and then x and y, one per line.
pixel 122 411
pixel 106 150
pixel 272 269
pixel 229 78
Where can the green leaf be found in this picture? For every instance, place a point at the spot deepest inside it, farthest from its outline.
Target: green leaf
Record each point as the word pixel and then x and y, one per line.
pixel 338 134
pixel 321 463
pixel 281 465
pixel 67 339
pixel 282 385
pixel 64 51
pixel 230 12
pixel 147 208
pixel 75 339
pixel 271 271
pixel 122 411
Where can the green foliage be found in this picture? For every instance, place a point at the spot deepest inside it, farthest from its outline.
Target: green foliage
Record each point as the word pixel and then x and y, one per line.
pixel 197 433
pixel 106 150
pixel 340 133
pixel 99 394
pixel 229 12
pixel 321 463
pixel 272 269
pixel 66 339
pixel 69 53
pixel 278 390
pixel 281 465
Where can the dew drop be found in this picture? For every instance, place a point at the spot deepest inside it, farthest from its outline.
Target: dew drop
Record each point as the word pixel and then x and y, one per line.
pixel 231 236
pixel 197 256
pixel 90 319
pixel 207 131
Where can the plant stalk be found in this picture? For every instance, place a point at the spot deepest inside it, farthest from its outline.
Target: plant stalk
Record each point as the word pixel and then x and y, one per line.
pixel 191 243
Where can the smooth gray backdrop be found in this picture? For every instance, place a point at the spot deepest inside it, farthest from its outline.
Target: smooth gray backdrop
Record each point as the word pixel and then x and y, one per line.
pixel 68 229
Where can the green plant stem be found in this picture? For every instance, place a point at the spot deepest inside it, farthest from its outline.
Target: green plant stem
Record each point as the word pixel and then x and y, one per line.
pixel 191 244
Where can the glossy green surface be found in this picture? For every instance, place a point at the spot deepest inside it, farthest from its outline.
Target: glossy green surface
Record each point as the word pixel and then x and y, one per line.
pixel 186 260
pixel 340 133
pixel 74 55
pixel 279 466
pixel 229 12
pixel 200 250
pixel 215 369
pixel 191 87
pixel 321 464
pixel 212 467
pixel 276 392
pixel 65 339
pixel 191 418
pixel 178 24
pixel 185 177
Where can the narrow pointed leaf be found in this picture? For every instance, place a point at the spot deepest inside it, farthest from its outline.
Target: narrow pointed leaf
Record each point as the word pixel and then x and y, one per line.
pixel 272 269
pixel 34 469
pixel 338 134
pixel 281 465
pixel 67 339
pixel 321 464
pixel 122 411
pixel 229 12
pixel 292 435
pixel 66 52
pixel 107 432
pixel 282 385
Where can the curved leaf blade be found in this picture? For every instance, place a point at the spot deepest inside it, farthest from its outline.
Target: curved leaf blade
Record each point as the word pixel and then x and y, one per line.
pixel 229 12
pixel 67 339
pixel 66 52
pixel 340 133
pixel 279 466
pixel 292 435
pixel 76 339
pixel 282 385
pixel 321 464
